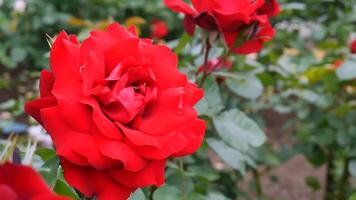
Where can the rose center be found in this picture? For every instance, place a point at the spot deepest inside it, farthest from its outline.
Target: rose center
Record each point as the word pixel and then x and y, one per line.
pixel 127 90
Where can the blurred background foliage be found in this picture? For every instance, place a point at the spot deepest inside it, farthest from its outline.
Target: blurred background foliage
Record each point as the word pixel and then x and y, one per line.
pixel 300 90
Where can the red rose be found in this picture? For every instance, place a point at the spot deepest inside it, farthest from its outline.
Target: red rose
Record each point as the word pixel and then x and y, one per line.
pixel 116 107
pixel 158 29
pixel 353 46
pixel 21 182
pixel 244 24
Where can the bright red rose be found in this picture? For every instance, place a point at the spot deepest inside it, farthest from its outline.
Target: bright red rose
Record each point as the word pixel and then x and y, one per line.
pixel 158 29
pixel 353 46
pixel 244 24
pixel 116 107
pixel 23 183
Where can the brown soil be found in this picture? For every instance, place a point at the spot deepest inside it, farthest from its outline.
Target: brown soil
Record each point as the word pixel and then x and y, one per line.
pixel 288 181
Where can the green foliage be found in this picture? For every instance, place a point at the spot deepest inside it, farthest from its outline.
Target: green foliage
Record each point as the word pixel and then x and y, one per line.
pixel 236 129
pixel 167 192
pixel 137 195
pixel 294 74
pixel 62 188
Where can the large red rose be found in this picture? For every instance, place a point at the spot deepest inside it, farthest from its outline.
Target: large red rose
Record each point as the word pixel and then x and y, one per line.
pixel 116 107
pixel 353 46
pixel 244 24
pixel 23 183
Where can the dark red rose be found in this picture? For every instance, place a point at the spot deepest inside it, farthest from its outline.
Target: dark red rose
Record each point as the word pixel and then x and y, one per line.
pixel 353 46
pixel 244 24
pixel 159 29
pixel 117 108
pixel 23 183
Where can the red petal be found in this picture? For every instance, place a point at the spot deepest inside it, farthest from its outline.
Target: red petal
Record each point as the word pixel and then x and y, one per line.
pixel 153 174
pixel 7 193
pixel 128 47
pixel 93 70
pixel 93 182
pixel 189 24
pixel 46 83
pixel 64 55
pixel 204 6
pixel 164 66
pixel 179 6
pixel 24 181
pixel 140 138
pixel 34 107
pixel 104 125
pixel 67 90
pixel 101 41
pixel 194 132
pixel 120 151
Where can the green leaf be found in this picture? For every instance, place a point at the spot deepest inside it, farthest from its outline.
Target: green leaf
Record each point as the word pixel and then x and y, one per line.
pixel 293 6
pixel 18 54
pixel 137 195
pixel 239 131
pixel 347 71
pixel 167 192
pixel 45 153
pixel 230 156
pixel 249 86
pixel 211 104
pixel 62 188
pixel 49 170
pixel 353 197
pixel 314 155
pixel 184 40
pixel 352 168
pixel 312 183
pixel 216 196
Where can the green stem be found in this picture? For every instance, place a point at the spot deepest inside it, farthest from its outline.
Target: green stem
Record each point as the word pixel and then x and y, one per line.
pixel 206 59
pixel 183 179
pixel 257 178
pixel 330 178
pixel 152 191
pixel 344 180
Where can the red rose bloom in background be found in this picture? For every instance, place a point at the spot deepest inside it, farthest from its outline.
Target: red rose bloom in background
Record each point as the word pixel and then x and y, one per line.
pixel 23 183
pixel 337 63
pixel 244 24
pixel 116 107
pixel 158 29
pixel 353 46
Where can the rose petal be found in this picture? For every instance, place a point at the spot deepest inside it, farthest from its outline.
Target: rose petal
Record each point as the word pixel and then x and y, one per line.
pixel 93 182
pixel 152 174
pixel 46 83
pixel 64 55
pixel 34 107
pixel 24 181
pixel 179 6
pixel 67 90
